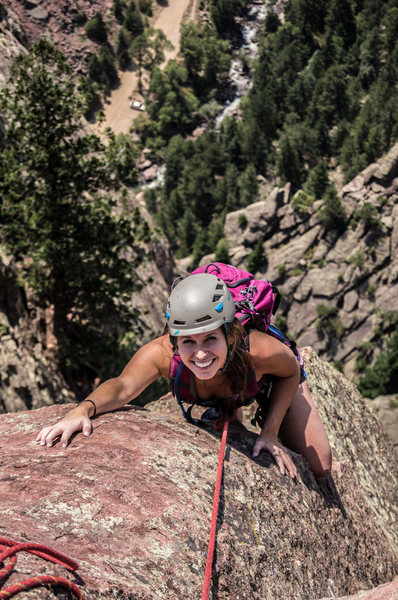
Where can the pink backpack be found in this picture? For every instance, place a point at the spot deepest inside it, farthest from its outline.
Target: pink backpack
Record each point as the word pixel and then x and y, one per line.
pixel 253 297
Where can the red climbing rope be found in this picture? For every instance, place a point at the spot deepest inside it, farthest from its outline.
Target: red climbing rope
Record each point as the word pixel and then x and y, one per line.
pixel 213 528
pixel 9 549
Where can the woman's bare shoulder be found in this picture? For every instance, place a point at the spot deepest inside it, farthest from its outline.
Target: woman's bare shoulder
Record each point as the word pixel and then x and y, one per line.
pixel 270 355
pixel 263 344
pixel 158 353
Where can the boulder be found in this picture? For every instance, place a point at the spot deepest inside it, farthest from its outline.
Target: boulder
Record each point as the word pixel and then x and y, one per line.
pixel 132 504
pixel 387 167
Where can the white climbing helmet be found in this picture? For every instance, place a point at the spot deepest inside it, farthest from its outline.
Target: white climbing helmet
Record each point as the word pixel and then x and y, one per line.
pixel 199 303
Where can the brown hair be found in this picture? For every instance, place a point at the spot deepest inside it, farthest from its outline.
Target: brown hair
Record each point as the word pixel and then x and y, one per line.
pixel 239 365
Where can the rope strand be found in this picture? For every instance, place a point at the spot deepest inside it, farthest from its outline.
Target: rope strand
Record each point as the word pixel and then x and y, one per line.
pixel 213 528
pixel 9 549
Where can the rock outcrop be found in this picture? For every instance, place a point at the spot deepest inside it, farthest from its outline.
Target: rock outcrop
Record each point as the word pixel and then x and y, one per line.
pixel 28 374
pixel 62 23
pixel 132 505
pixel 12 41
pixel 351 276
pixel 29 377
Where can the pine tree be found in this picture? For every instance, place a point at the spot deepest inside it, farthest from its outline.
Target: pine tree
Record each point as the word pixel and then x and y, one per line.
pixel 256 259
pixel 56 216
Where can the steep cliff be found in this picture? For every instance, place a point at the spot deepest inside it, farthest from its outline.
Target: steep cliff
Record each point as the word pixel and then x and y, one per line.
pixel 132 504
pixel 339 290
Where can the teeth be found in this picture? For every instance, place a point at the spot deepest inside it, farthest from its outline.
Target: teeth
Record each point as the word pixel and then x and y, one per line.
pixel 203 365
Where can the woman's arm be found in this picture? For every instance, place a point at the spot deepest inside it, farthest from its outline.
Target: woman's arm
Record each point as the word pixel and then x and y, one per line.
pixel 148 364
pixel 272 357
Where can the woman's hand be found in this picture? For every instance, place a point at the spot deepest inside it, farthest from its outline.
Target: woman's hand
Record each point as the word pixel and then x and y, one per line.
pixel 76 420
pixel 270 443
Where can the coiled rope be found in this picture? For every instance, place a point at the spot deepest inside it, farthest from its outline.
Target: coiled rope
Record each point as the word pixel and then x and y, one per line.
pixel 213 528
pixel 9 549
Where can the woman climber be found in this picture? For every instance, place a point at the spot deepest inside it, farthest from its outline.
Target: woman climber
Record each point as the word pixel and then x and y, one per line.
pixel 212 361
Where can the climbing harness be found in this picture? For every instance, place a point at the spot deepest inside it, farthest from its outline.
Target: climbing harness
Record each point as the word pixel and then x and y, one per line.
pixel 9 549
pixel 213 528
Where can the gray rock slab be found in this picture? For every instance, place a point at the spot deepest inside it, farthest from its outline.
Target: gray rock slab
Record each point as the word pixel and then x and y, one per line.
pixel 291 254
pixel 350 301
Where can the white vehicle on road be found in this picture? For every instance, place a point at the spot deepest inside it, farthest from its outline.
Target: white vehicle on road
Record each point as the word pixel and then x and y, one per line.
pixel 137 105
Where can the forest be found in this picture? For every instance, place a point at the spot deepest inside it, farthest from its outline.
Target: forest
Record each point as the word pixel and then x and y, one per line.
pixel 324 98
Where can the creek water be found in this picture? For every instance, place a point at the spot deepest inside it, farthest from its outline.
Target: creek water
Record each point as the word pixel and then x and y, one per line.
pixel 242 65
pixel 240 76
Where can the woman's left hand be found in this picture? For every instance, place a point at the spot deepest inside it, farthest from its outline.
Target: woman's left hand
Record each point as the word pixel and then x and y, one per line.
pixel 270 443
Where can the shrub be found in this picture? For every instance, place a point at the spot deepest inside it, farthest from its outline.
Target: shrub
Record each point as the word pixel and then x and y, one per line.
pixel 382 377
pixel 371 290
pixel 281 269
pixel 369 217
pixel 242 220
pixel 357 259
pixel 328 321
pixel 80 19
pixel 222 251
pixel 339 365
pixel 302 202
pixel 281 323
pixel 145 7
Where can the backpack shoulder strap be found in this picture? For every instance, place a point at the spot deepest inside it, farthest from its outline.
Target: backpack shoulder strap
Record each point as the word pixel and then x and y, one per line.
pixel 180 383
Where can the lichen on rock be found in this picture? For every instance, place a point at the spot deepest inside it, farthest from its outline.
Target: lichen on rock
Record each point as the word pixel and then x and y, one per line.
pixel 132 504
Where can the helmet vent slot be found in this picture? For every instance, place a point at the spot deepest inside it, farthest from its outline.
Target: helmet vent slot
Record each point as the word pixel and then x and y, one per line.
pixel 203 319
pixel 219 286
pixel 179 322
pixel 217 297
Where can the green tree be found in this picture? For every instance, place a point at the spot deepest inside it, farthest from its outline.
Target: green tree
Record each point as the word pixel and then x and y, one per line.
pixel 96 29
pixel 222 251
pixel 172 104
pixel 101 68
pixel 288 163
pixel 133 20
pixel 340 20
pixel 332 212
pixel 56 216
pixel 382 377
pixel 147 50
pixel 186 232
pixel 223 13
pixel 122 48
pixel 118 10
pixel 318 180
pixel 256 258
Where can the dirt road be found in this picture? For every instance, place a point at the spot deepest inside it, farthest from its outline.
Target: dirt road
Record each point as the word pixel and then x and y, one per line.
pixel 118 114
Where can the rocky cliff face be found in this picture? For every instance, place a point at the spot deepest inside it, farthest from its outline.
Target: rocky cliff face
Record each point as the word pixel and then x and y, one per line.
pixel 28 20
pixel 28 374
pixel 132 505
pixel 12 41
pixel 352 276
pixel 28 377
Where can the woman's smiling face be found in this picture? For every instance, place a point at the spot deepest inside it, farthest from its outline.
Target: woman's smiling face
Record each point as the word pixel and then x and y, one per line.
pixel 203 353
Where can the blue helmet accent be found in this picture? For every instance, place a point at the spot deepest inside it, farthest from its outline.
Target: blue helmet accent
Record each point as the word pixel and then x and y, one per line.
pixel 177 332
pixel 219 307
pixel 167 314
